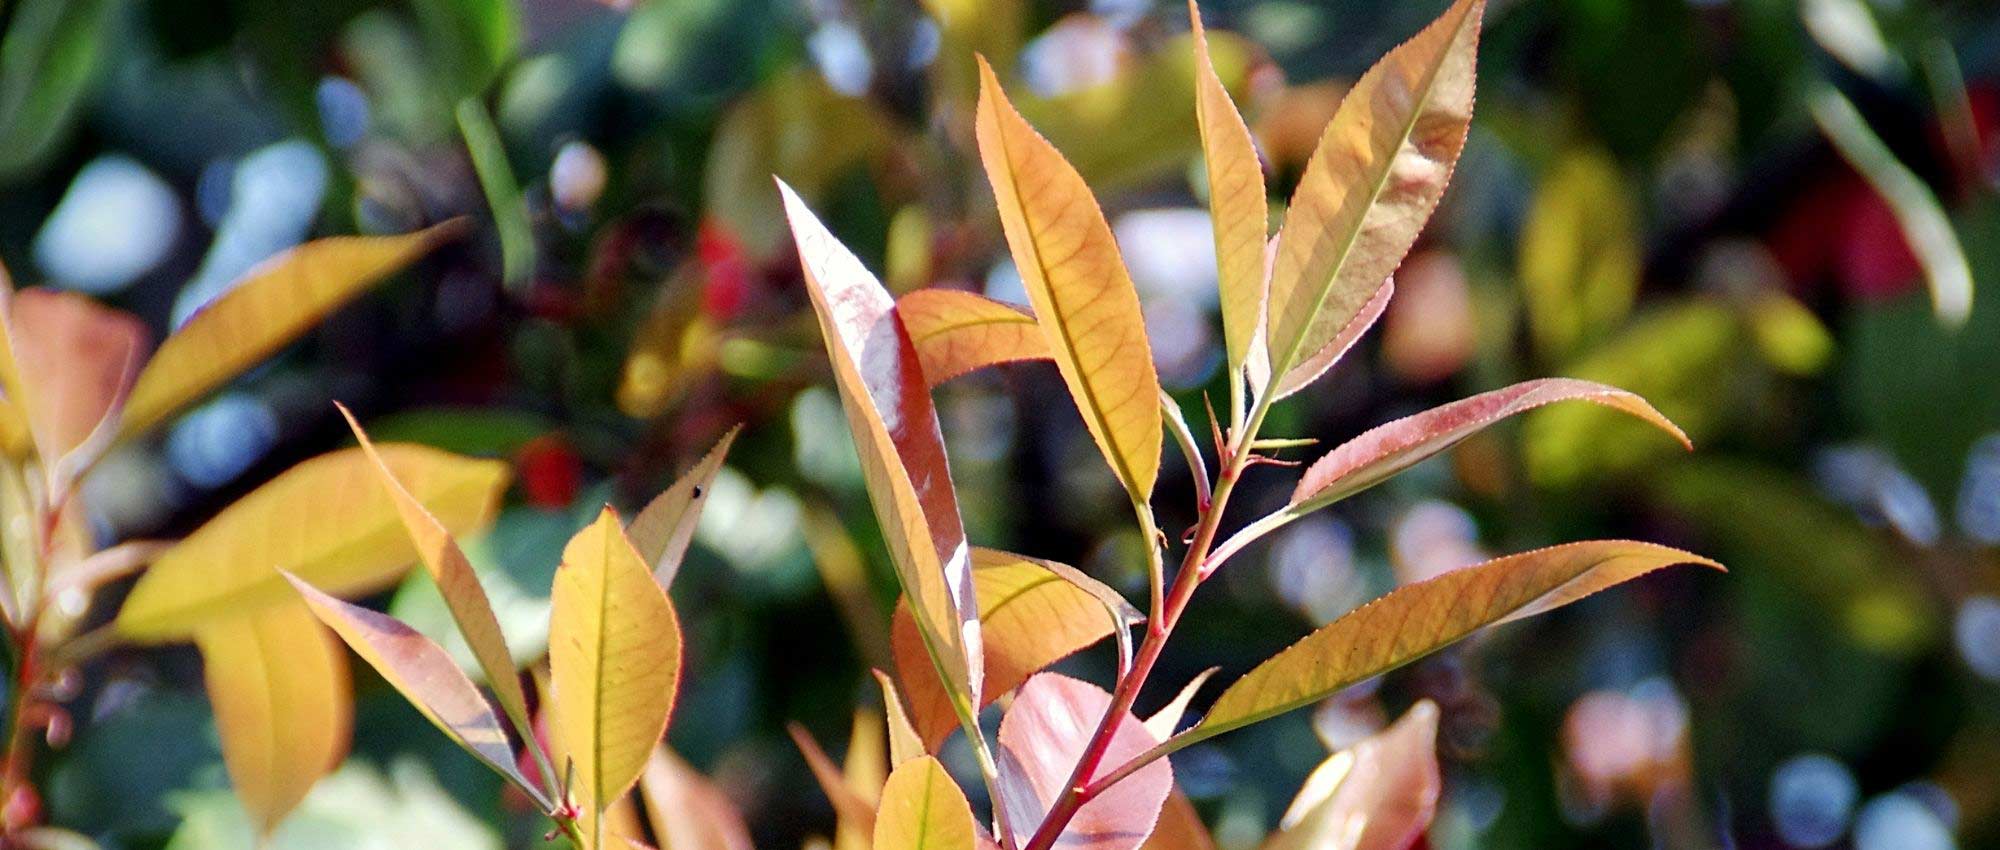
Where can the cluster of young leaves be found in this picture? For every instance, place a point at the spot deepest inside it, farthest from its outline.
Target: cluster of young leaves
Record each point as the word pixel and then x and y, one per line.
pixel 1072 766
pixel 75 380
pixel 613 667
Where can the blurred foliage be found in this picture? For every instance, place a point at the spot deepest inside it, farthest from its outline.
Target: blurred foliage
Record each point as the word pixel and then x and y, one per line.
pixel 1646 200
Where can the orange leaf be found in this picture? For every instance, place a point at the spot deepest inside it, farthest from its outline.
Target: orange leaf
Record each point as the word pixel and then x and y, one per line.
pixel 1180 827
pixel 1042 736
pixel 956 332
pixel 902 452
pixel 1379 170
pixel 1419 619
pixel 1031 617
pixel 1237 205
pixel 279 687
pixel 1083 296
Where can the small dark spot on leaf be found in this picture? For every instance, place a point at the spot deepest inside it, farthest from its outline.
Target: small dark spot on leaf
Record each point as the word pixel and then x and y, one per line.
pixel 697 492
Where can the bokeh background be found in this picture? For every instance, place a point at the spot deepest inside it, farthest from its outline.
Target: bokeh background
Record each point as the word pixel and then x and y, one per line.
pixel 1763 215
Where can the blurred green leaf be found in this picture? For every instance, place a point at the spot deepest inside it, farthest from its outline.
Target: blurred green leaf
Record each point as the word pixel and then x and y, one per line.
pixel 48 58
pixel 503 192
pixel 1579 253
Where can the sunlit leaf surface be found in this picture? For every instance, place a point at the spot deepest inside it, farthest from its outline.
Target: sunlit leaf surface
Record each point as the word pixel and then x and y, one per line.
pixel 1031 617
pixel 1083 296
pixel 614 660
pixel 922 809
pixel 896 434
pixel 1372 183
pixel 324 520
pixel 279 686
pixel 1378 794
pixel 1236 202
pixel 1385 450
pixel 1041 737
pixel 956 332
pixel 272 305
pixel 1416 620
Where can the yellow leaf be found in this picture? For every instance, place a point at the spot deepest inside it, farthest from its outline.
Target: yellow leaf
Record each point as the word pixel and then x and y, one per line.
pixel 456 582
pixel 904 743
pixel 664 528
pixel 956 332
pixel 278 300
pixel 279 688
pixel 687 811
pixel 1031 617
pixel 1236 202
pixel 1579 254
pixel 614 660
pixel 923 810
pixel 1418 619
pixel 324 520
pixel 1081 292
pixel 863 769
pixel 901 449
pixel 425 675
pixel 1372 183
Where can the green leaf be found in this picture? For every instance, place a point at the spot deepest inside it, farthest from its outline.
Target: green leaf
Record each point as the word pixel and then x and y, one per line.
pixel 503 192
pixel 51 51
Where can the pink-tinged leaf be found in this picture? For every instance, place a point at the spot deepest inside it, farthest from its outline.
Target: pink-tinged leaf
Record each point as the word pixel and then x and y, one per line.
pixel 1379 170
pixel 902 454
pixel 426 676
pixel 456 582
pixel 76 361
pixel 1031 616
pixel 1042 736
pixel 1379 794
pixel 1237 205
pixel 1311 368
pixel 1083 296
pixel 664 528
pixel 1385 450
pixel 687 811
pixel 922 809
pixel 1416 620
pixel 957 332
